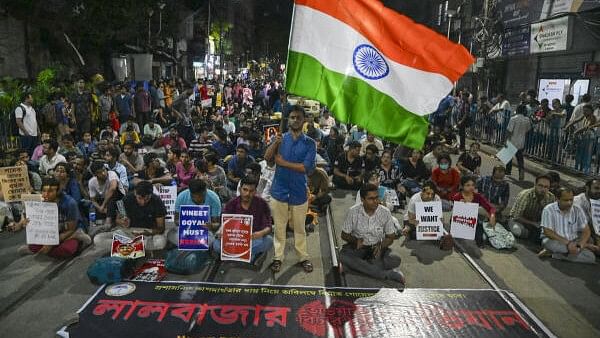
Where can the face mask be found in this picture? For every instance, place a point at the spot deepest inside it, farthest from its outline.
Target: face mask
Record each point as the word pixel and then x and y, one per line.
pixel 444 166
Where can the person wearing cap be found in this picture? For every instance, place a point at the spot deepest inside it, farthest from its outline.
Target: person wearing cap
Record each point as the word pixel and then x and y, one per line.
pixel 348 168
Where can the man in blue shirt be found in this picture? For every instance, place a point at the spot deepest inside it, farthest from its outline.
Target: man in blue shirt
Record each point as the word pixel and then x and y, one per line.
pixel 197 194
pixel 294 154
pixel 237 166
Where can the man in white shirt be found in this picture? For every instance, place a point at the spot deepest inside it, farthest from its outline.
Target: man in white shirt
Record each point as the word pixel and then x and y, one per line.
pixel 152 130
pixel 51 158
pixel 369 231
pixel 517 129
pixel 592 192
pixel 370 139
pixel 26 120
pixel 427 194
pixel 326 122
pixel 228 125
pixel 430 159
pixel 578 110
pixel 105 189
pixel 565 230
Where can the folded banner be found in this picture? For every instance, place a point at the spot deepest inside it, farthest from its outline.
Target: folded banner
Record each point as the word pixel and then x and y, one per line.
pixel 372 66
pixel 176 309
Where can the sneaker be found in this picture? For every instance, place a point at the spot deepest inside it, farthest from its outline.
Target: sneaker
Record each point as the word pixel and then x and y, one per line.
pixel 24 250
pixel 544 254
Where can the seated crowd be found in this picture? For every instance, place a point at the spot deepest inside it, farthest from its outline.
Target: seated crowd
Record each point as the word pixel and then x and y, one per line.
pixel 225 163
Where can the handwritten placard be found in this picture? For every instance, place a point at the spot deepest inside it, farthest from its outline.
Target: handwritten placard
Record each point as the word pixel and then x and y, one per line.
pixel 168 194
pixel 429 216
pixel 15 182
pixel 43 223
pixel 236 237
pixel 464 220
pixel 507 153
pixel 595 210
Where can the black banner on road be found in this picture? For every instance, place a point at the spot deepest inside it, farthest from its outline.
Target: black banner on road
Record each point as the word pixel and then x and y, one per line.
pixel 169 309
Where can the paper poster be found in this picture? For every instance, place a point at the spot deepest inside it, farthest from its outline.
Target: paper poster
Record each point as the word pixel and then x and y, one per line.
pixel 595 210
pixel 464 220
pixel 125 247
pixel 391 198
pixel 153 270
pixel 270 132
pixel 429 215
pixel 15 182
pixel 193 233
pixel 43 223
pixel 236 237
pixel 206 103
pixel 507 153
pixel 168 194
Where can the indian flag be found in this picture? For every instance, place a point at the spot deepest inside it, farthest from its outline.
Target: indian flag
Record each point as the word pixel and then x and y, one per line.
pixel 372 66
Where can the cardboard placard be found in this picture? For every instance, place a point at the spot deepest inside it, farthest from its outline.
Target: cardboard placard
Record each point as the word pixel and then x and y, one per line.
pixel 15 182
pixel 595 211
pixel 270 132
pixel 125 247
pixel 429 215
pixel 168 194
pixel 464 220
pixel 236 237
pixel 193 234
pixel 43 223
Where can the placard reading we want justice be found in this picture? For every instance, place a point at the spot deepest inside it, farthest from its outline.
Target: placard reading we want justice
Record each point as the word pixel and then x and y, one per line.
pixel 429 216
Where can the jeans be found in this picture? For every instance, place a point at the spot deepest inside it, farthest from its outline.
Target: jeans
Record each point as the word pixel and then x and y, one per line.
pixel 259 246
pixel 29 143
pixel 520 162
pixel 583 155
pixel 556 247
pixel 361 260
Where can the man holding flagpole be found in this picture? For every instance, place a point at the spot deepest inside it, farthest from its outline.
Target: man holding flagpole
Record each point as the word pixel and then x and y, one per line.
pixel 294 154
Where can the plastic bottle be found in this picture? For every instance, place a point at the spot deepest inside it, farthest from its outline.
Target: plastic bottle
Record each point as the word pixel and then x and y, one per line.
pixel 174 182
pixel 92 215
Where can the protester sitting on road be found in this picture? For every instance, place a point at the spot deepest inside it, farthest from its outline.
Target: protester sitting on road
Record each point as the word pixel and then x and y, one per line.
pixel 349 168
pixel 371 158
pixel 130 135
pixel 130 123
pixel 249 203
pixel 414 172
pixel 592 192
pixel 430 159
pixel 427 194
pixel 263 186
pixel 68 184
pixel 185 170
pixel 469 163
pixel 554 182
pixel 368 140
pixel 152 171
pixel 105 189
pixel 70 238
pixel 172 140
pixel 468 194
pixel 214 176
pixel 111 156
pixel 87 145
pixel 197 194
pixel 50 159
pixel 445 177
pixel 173 157
pixel 565 231
pixel 389 173
pixel 372 177
pixel 495 189
pixel 318 185
pixel 152 130
pixel 68 146
pixel 237 165
pixel 369 231
pixel 130 158
pixel 526 212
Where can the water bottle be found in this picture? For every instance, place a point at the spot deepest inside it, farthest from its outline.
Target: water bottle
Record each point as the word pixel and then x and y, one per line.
pixel 92 215
pixel 174 182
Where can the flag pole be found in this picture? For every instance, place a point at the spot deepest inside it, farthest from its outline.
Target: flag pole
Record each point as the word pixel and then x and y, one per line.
pixel 287 60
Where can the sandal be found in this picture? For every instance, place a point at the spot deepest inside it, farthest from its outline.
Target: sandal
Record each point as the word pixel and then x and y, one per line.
pixel 307 266
pixel 276 265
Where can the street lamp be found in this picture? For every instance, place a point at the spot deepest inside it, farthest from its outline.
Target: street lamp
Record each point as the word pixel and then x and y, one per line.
pixel 450 14
pixel 150 13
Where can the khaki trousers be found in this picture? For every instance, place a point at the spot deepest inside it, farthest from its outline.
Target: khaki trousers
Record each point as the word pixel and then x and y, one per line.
pixel 295 215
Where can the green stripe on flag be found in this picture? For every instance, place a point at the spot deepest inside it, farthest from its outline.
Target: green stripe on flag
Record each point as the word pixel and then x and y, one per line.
pixel 355 101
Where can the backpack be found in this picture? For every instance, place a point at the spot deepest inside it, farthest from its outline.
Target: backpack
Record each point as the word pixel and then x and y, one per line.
pixel 499 237
pixel 108 270
pixel 13 128
pixel 185 262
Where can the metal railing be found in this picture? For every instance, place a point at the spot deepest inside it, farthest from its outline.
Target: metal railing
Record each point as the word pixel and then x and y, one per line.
pixel 545 143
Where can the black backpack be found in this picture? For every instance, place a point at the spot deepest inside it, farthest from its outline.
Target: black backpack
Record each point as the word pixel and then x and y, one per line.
pixel 13 128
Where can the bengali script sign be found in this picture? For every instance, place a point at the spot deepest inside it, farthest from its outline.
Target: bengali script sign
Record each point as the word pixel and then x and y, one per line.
pixel 172 309
pixel 193 233
pixel 464 220
pixel 236 237
pixel 15 182
pixel 43 223
pixel 429 216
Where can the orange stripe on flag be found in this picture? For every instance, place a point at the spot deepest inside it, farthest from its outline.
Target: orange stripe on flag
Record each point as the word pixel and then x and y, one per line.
pixel 397 36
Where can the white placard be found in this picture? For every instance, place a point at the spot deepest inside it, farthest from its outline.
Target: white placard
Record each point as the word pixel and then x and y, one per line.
pixel 549 36
pixel 507 153
pixel 43 223
pixel 464 220
pixel 429 215
pixel 168 194
pixel 207 103
pixel 595 211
